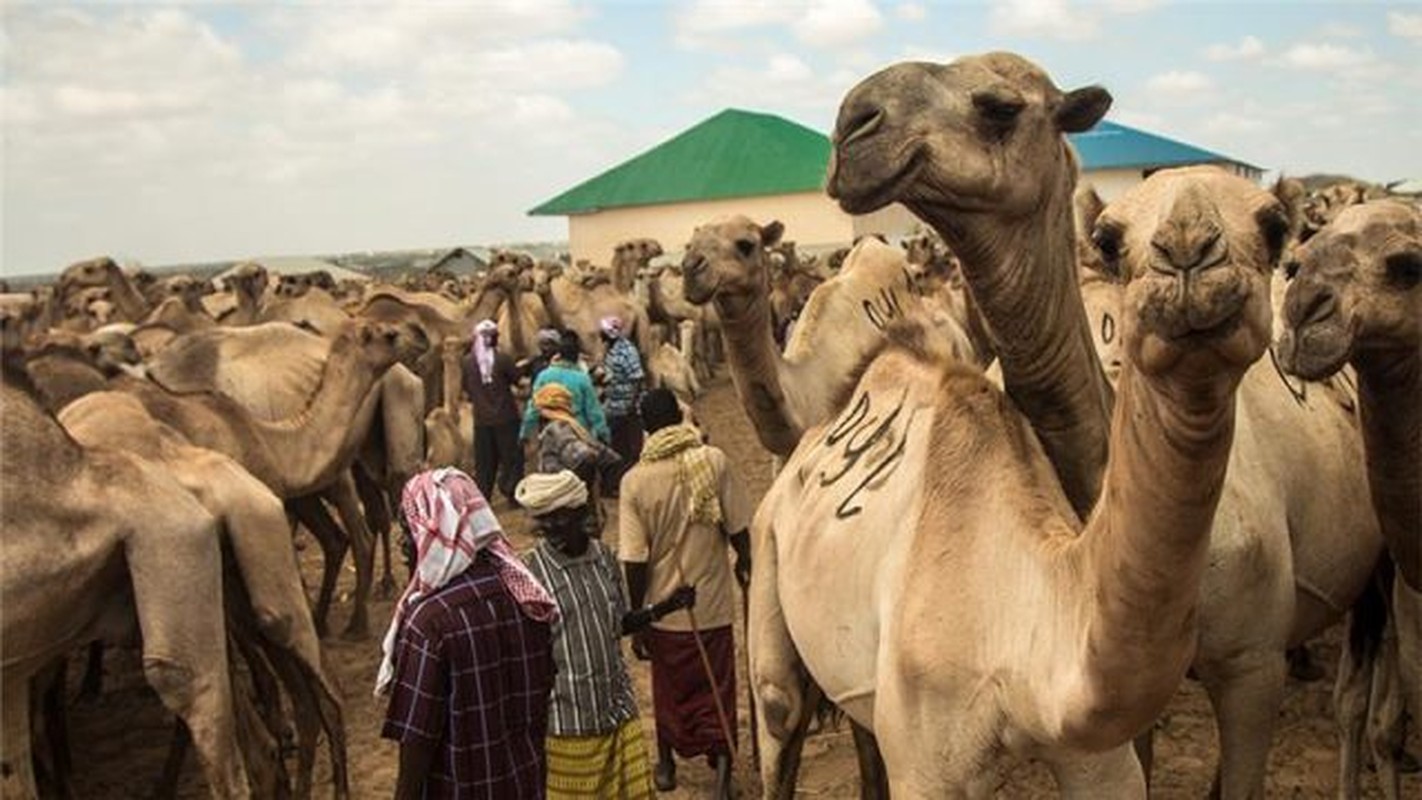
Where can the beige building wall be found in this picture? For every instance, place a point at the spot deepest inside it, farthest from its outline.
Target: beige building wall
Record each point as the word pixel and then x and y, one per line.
pixel 811 219
pixel 892 221
pixel 1111 183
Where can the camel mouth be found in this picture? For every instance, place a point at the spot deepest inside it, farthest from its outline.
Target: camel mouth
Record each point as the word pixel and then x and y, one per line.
pixel 697 293
pixel 1196 304
pixel 855 188
pixel 1317 349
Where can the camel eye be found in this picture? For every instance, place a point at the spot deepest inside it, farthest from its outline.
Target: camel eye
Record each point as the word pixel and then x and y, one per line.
pixel 745 247
pixel 998 107
pixel 1107 239
pixel 1404 270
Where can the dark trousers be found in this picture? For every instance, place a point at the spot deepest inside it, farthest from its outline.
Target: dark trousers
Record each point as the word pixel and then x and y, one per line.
pixel 498 458
pixel 627 441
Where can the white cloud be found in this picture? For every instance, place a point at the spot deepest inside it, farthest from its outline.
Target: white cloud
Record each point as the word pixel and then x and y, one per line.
pixel 1132 6
pixel 713 24
pixel 911 12
pixel 1408 26
pixel 1138 119
pixel 1049 19
pixel 322 143
pixel 834 23
pixel 1340 30
pixel 1248 49
pixel 1310 56
pixel 783 81
pixel 1229 122
pixel 1179 83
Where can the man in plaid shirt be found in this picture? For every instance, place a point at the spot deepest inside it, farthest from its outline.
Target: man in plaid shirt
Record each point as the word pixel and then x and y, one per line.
pixel 468 659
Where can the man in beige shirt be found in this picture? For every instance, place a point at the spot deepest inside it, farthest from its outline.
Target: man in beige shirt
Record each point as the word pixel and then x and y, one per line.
pixel 681 507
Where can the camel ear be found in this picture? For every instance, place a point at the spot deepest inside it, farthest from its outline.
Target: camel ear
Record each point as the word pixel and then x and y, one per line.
pixel 1089 206
pixel 1291 193
pixel 770 234
pixel 1274 226
pixel 1082 108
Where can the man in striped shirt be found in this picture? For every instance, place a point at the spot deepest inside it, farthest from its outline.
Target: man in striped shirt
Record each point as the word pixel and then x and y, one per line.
pixel 595 746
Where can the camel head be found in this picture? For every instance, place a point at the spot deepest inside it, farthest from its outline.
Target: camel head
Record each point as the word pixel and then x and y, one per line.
pixel 293 285
pixel 112 351
pixel 636 251
pixel 187 289
pixel 249 279
pixel 1194 247
pixel 102 271
pixel 728 259
pixel 974 135
pixel 1355 290
pixel 382 344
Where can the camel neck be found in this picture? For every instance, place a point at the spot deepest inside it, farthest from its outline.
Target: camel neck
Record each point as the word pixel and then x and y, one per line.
pixel 1390 407
pixel 313 444
pixel 1021 275
pixel 756 367
pixel 1146 547
pixel 130 303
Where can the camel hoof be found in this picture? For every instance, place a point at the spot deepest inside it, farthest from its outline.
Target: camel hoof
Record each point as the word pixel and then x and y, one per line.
pixel 386 589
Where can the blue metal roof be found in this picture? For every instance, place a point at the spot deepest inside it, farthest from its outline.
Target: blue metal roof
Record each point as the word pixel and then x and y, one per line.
pixel 1111 145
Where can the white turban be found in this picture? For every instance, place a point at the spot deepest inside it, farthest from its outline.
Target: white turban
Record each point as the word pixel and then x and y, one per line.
pixel 545 492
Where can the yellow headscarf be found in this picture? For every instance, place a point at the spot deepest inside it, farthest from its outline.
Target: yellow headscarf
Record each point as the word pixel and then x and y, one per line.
pixel 555 402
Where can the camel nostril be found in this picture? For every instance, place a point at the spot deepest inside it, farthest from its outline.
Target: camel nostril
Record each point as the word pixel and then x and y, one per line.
pixel 693 264
pixel 861 124
pixel 1320 306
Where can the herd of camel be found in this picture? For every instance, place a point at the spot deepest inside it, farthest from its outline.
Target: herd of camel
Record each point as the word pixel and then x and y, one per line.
pixel 1034 466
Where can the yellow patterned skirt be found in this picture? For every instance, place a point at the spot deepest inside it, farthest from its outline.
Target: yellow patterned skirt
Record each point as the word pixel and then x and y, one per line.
pixel 614 765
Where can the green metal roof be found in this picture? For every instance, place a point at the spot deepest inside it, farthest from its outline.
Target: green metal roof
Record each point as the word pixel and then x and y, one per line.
pixel 733 154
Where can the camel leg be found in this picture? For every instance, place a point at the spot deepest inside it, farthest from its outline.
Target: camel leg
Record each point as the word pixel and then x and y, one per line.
pixel 314 516
pixel 53 762
pixel 873 779
pixel 782 707
pixel 176 570
pixel 1245 692
pixel 16 765
pixel 92 684
pixel 343 493
pixel 178 748
pixel 1115 773
pixel 1386 732
pixel 377 512
pixel 1358 669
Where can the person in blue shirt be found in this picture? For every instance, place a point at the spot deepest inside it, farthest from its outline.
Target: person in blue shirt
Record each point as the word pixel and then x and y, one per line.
pixel 565 370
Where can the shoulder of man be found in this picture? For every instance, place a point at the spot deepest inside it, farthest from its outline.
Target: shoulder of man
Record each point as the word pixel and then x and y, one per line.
pixel 478 584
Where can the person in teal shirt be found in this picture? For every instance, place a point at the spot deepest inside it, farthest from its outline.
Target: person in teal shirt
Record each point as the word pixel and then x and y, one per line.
pixel 565 369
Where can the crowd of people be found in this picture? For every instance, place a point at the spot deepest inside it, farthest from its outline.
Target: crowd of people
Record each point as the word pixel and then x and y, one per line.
pixel 505 673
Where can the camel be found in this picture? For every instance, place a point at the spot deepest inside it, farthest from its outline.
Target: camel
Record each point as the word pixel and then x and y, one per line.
pixel 248 285
pixel 293 409
pixel 666 304
pixel 255 526
pixel 1288 553
pixel 727 264
pixel 577 302
pixel 144 538
pixel 792 281
pixel 449 428
pixel 1101 627
pixel 672 368
pixel 1355 300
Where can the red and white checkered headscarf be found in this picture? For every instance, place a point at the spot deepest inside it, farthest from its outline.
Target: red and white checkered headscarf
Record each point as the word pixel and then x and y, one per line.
pixel 451 522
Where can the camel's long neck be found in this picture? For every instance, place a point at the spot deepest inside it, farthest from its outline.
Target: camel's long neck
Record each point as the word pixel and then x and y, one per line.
pixel 1390 404
pixel 314 444
pixel 624 274
pixel 130 303
pixel 551 307
pixel 1145 549
pixel 1022 277
pixel 518 340
pixel 757 369
pixel 487 302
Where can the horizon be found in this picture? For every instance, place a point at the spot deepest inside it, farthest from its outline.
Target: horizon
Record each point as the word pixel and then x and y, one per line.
pixel 194 133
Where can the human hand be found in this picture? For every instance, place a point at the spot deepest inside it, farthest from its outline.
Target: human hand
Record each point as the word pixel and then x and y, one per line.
pixel 682 597
pixel 640 648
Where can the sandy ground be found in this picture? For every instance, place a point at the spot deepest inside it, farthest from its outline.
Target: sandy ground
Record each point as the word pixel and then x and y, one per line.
pixel 120 740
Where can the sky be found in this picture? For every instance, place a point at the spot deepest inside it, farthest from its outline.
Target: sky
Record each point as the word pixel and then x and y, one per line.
pixel 163 133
